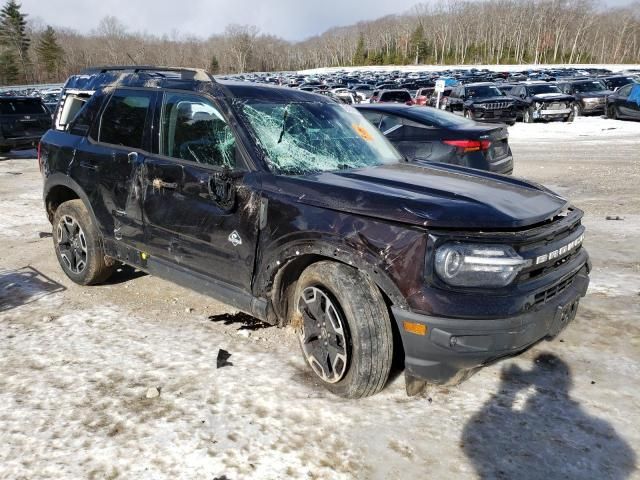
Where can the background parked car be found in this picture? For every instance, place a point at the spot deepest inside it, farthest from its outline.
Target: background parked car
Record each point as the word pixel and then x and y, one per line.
pixel 425 134
pixel 482 102
pixel 590 95
pixel 392 96
pixel 543 101
pixel 23 120
pixel 625 102
pixel 616 81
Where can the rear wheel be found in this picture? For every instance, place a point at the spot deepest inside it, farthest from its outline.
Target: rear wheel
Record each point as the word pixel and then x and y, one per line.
pixel 344 329
pixel 78 244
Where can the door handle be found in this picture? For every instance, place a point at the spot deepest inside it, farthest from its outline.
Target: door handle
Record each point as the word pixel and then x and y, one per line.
pixel 159 183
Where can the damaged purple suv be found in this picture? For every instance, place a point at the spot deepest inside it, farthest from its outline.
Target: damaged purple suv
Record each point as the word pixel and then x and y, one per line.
pixel 296 210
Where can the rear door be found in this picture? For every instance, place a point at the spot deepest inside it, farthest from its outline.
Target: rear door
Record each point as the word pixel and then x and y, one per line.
pixel 110 158
pixel 201 210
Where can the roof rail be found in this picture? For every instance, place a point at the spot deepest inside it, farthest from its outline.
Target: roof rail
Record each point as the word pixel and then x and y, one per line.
pixel 196 74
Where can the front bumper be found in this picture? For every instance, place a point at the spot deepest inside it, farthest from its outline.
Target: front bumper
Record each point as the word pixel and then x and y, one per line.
pixel 453 347
pixel 551 113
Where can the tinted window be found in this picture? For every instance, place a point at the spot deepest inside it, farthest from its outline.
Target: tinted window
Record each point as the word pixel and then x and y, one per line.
pixel 124 118
pixel 483 91
pixel 440 118
pixel 373 117
pixel 401 96
pixel 390 123
pixel 624 91
pixel 193 129
pixel 25 106
pixel 594 86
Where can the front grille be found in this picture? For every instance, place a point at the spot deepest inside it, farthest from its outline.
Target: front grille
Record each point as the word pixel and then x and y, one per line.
pixel 549 293
pixel 497 105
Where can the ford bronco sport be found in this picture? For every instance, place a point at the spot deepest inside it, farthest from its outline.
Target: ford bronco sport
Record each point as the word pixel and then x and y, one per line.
pixel 296 210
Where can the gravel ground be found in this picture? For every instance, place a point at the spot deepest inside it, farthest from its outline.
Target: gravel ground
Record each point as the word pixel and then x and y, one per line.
pixel 120 380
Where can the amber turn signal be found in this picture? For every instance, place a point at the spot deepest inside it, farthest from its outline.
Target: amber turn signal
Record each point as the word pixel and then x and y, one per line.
pixel 417 328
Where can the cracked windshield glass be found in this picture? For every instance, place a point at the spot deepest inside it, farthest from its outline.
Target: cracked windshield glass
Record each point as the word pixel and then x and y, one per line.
pixel 312 137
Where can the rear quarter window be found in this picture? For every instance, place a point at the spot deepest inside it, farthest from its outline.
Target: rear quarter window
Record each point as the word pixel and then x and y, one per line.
pixel 124 118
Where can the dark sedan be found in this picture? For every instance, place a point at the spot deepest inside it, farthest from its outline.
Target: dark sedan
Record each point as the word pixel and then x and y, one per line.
pixel 425 134
pixel 625 102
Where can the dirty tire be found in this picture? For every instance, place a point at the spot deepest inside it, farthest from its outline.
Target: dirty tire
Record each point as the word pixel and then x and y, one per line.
pixel 612 113
pixel 95 269
pixel 367 326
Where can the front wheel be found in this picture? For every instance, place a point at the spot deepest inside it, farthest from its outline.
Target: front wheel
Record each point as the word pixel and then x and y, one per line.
pixel 468 115
pixel 576 110
pixel 344 329
pixel 78 244
pixel 528 116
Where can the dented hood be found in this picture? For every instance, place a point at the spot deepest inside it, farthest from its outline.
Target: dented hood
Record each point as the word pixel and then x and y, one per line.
pixel 440 196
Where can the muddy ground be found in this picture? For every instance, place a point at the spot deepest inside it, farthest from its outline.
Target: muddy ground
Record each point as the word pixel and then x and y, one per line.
pixel 76 364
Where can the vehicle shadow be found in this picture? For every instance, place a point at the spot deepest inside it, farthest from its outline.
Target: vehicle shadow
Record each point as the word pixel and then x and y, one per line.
pixel 548 435
pixel 247 322
pixel 28 154
pixel 23 286
pixel 124 273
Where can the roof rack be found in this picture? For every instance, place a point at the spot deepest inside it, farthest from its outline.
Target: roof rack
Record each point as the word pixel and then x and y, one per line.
pixel 177 73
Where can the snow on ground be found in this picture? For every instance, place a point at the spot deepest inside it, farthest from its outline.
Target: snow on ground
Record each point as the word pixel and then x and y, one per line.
pixel 78 365
pixel 493 67
pixel 591 129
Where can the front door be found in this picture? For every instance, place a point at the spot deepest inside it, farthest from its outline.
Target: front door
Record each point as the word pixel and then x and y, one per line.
pixel 200 206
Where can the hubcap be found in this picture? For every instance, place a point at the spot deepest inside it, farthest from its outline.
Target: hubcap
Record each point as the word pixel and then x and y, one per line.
pixel 323 337
pixel 72 244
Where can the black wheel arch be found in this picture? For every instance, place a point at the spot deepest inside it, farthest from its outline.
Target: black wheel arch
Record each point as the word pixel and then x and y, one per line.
pixel 277 273
pixel 59 188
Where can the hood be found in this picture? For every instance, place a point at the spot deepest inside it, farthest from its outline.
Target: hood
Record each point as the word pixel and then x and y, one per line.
pixel 551 96
pixel 438 195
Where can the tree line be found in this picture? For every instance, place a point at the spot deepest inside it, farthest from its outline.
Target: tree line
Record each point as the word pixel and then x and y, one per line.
pixel 440 32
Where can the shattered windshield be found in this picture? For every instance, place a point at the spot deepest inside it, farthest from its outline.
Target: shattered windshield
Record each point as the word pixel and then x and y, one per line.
pixel 309 137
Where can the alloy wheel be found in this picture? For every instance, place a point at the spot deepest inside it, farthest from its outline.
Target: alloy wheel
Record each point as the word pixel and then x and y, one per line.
pixel 72 244
pixel 323 336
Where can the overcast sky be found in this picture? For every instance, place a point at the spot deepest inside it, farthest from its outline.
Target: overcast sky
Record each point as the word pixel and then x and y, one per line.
pixel 290 19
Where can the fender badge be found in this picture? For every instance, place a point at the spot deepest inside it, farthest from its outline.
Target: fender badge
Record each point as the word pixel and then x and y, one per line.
pixel 235 239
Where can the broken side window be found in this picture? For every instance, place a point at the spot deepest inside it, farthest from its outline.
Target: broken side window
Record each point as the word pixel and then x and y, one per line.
pixel 193 129
pixel 309 137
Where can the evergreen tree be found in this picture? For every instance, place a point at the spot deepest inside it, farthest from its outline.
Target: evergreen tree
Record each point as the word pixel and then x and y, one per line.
pixel 360 55
pixel 418 44
pixel 13 35
pixel 50 53
pixel 8 68
pixel 214 66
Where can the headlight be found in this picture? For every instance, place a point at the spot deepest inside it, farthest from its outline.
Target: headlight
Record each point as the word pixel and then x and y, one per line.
pixel 469 265
pixel 590 100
